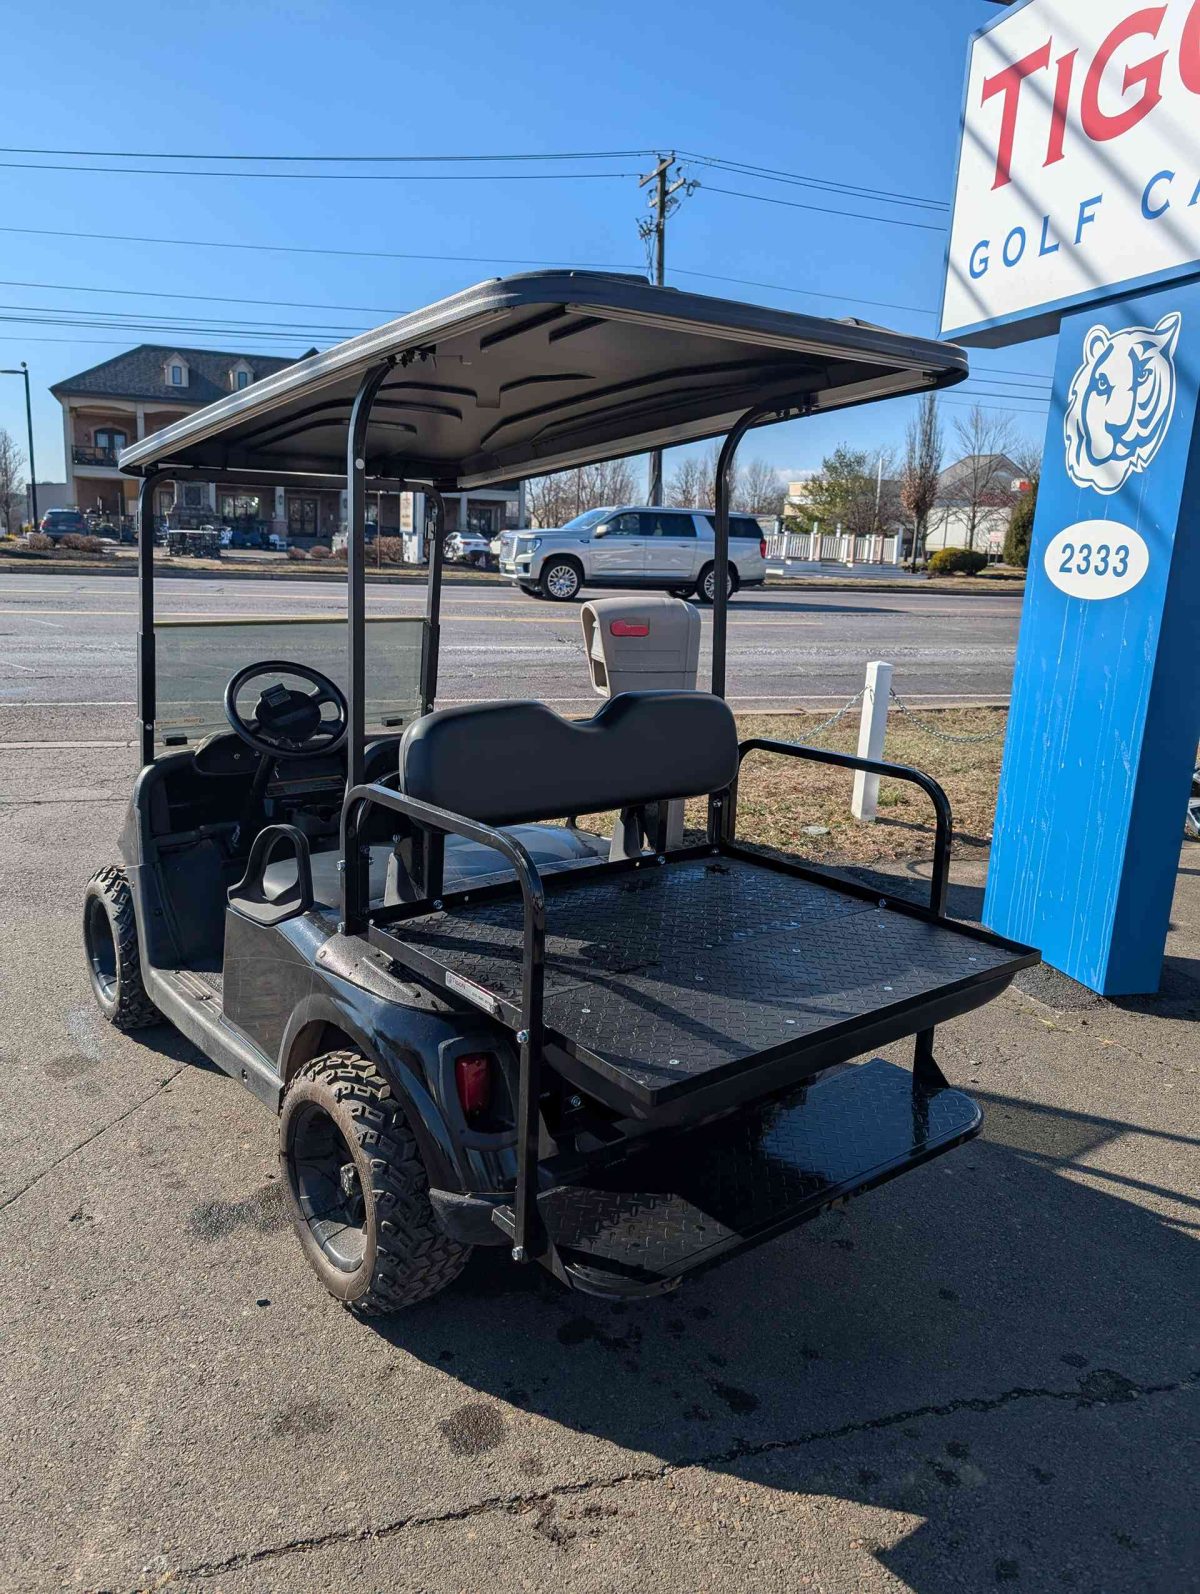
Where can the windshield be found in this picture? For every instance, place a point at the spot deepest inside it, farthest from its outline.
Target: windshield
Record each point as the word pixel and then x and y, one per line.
pixel 195 659
pixel 590 517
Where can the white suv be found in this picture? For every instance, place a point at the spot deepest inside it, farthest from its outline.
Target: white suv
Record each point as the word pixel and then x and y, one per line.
pixel 633 546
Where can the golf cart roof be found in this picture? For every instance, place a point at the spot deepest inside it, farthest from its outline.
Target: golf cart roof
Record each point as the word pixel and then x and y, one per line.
pixel 524 375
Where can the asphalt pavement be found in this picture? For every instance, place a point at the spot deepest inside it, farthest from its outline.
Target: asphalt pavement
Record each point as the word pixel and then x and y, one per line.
pixel 67 644
pixel 983 1375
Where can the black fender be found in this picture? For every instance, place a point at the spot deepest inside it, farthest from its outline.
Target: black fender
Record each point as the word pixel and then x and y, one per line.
pixel 415 1050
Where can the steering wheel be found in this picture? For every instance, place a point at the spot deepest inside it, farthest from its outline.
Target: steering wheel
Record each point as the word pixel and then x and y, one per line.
pixel 287 722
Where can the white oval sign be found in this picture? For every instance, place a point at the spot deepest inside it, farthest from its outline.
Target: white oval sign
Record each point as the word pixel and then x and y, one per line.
pixel 1097 559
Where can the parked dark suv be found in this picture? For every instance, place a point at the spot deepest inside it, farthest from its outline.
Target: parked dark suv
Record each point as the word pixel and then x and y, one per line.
pixel 59 523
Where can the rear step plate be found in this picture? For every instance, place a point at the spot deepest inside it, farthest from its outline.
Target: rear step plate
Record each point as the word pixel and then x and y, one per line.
pixel 706 1194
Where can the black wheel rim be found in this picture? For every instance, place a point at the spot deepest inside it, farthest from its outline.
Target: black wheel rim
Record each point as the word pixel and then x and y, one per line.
pixel 328 1191
pixel 101 949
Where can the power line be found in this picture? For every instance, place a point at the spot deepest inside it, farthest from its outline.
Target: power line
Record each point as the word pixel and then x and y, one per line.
pixel 824 210
pixel 301 249
pixel 200 298
pixel 370 160
pixel 479 260
pixel 324 177
pixel 995 370
pixel 809 293
pixel 112 317
pixel 822 184
pixel 187 320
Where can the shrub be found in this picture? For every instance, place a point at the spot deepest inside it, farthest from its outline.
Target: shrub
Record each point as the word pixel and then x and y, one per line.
pixel 39 542
pixel 320 552
pixel 957 561
pixel 389 550
pixel 1020 531
pixel 79 543
pixel 297 553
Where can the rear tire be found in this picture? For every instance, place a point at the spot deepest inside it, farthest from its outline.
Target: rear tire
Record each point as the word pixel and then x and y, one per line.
pixel 357 1189
pixel 707 585
pixel 561 580
pixel 110 940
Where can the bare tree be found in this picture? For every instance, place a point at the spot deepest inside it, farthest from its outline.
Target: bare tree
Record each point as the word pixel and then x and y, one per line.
pixel 922 470
pixel 553 500
pixel 982 483
pixel 12 495
pixel 760 489
pixel 689 485
pixel 1027 457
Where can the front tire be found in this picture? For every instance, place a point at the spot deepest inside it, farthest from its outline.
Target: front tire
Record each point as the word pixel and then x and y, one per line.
pixel 561 580
pixel 357 1189
pixel 110 940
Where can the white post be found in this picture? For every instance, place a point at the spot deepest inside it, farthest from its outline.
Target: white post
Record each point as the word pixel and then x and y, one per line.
pixel 872 728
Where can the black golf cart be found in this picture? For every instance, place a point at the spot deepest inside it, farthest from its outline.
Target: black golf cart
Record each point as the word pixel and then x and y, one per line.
pixel 480 1022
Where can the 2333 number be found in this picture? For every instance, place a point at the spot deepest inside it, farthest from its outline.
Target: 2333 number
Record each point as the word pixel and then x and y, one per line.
pixel 1095 560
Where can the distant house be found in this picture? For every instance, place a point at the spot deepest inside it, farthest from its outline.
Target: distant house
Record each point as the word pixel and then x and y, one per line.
pixel 976 496
pixel 116 403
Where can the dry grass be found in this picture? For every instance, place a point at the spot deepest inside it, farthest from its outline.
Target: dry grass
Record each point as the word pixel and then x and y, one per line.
pixel 783 801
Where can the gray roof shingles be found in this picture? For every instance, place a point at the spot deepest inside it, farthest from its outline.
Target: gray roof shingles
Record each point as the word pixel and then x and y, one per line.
pixel 141 374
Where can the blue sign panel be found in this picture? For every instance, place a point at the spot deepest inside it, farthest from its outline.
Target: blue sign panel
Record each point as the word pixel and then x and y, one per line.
pixel 1105 714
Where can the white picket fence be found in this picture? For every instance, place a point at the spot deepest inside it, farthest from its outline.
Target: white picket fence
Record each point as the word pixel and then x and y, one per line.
pixel 832 547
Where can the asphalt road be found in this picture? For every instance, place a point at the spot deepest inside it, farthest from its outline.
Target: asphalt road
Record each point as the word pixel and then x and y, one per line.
pixel 71 641
pixel 981 1376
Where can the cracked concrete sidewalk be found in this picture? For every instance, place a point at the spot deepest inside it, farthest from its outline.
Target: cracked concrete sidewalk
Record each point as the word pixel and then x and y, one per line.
pixel 982 1375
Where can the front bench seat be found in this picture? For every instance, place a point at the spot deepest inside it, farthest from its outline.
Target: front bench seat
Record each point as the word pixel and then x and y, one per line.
pixel 548 845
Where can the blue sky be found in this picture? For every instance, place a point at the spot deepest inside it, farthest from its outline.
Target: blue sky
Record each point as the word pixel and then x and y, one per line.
pixel 864 93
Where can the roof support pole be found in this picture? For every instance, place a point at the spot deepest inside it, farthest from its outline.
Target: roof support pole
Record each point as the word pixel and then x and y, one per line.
pixel 356 594
pixel 147 705
pixel 723 490
pixel 435 536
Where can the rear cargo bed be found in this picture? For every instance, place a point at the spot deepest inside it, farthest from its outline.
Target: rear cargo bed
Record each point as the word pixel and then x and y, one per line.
pixel 711 978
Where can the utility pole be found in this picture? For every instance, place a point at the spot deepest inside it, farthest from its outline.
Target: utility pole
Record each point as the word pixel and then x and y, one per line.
pixel 662 204
pixel 33 503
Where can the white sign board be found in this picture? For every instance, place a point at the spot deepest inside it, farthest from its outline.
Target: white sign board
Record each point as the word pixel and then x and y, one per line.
pixel 1079 173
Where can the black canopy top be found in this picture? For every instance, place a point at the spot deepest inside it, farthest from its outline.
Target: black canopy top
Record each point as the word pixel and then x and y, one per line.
pixel 524 375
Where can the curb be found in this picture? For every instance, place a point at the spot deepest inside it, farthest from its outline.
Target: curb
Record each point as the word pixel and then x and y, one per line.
pixel 500 583
pixel 229 572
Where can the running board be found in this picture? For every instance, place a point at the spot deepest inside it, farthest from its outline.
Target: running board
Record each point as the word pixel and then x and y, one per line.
pixel 194 1007
pixel 680 1207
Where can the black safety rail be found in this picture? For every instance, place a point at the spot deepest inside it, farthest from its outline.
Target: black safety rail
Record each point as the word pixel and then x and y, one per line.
pixel 357 919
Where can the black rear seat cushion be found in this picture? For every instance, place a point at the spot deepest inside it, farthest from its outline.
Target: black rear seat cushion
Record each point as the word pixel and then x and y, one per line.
pixel 503 763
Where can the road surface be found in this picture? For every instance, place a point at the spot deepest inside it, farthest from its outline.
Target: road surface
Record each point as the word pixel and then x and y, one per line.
pixel 68 643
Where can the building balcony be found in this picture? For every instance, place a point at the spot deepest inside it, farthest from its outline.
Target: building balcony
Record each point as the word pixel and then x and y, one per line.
pixel 94 456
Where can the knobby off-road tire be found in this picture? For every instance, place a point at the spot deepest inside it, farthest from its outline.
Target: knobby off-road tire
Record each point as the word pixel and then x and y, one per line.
pixel 357 1190
pixel 110 940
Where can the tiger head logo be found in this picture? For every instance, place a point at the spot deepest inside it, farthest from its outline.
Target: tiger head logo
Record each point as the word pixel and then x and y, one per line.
pixel 1121 403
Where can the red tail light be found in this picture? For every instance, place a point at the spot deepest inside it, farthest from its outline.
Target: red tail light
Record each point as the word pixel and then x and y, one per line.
pixel 762 547
pixel 473 1080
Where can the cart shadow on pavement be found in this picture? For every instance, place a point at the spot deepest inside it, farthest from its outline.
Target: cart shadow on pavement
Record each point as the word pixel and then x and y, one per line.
pixel 1000 1347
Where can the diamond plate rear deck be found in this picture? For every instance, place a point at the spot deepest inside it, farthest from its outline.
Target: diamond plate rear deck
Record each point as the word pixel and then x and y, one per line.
pixel 666 979
pixel 689 1202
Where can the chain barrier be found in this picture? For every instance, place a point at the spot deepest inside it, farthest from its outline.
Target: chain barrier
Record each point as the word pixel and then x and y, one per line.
pixel 827 725
pixel 929 725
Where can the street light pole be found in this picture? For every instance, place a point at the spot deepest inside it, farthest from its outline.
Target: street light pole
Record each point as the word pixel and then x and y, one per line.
pixel 33 503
